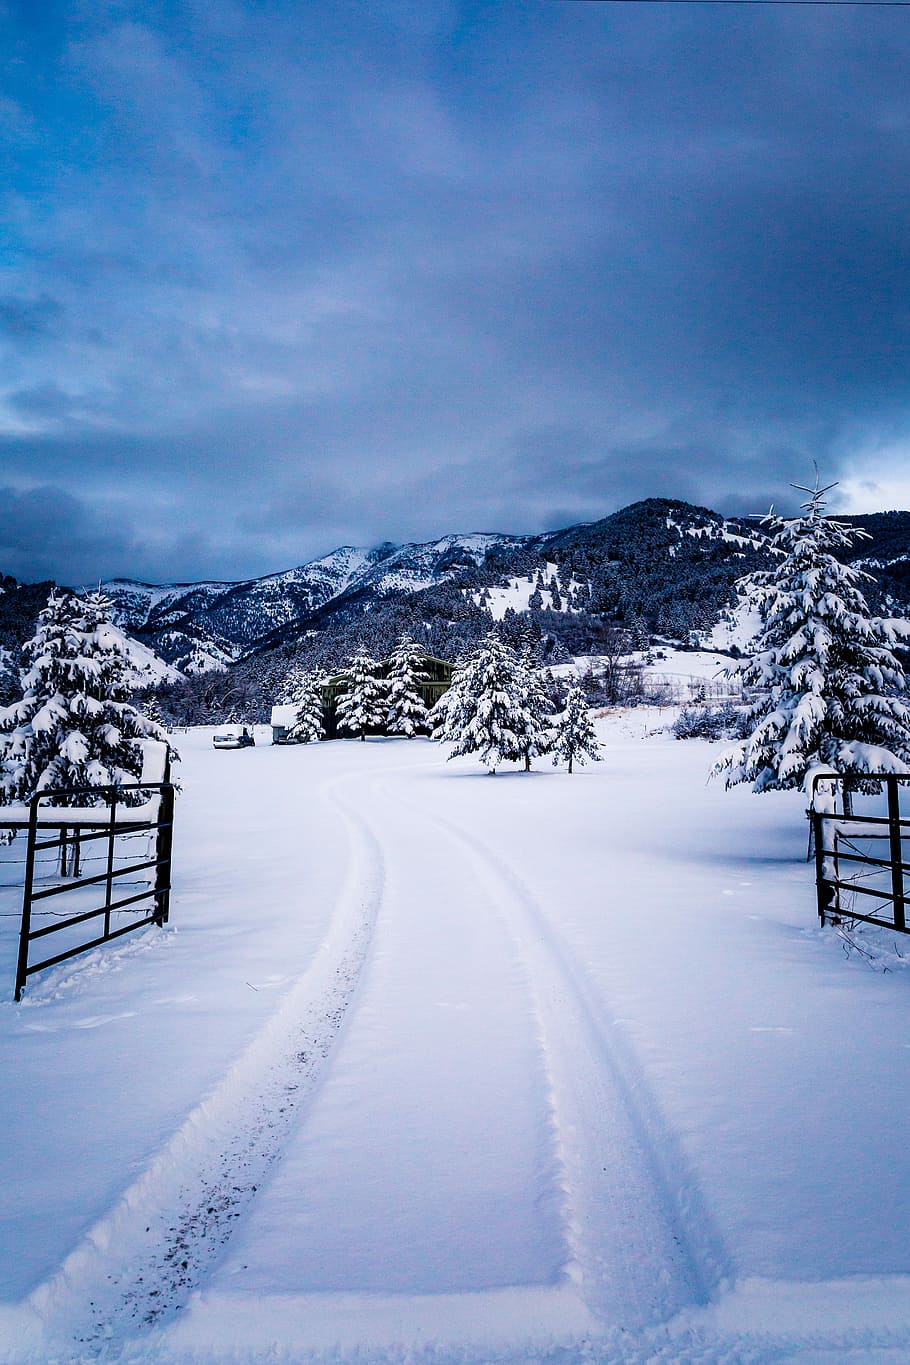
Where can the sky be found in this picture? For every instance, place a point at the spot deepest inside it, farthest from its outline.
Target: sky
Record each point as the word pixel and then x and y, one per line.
pixel 279 276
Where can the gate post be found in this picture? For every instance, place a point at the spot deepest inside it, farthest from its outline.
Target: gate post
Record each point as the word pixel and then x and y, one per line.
pixel 825 892
pixel 163 846
pixel 26 925
pixel 111 846
pixel 896 853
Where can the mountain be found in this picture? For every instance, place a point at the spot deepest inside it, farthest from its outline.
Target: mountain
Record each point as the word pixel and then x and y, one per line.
pixel 662 563
pixel 209 625
pixel 658 566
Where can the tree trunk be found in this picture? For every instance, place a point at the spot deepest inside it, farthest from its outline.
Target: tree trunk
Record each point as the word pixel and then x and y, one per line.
pixel 570 762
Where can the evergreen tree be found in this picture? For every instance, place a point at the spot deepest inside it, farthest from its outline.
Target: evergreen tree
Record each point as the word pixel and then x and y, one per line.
pixel 74 726
pixel 362 705
pixel 827 676
pixel 538 703
pixel 151 709
pixel 638 633
pixel 574 737
pixel 485 710
pixel 9 678
pixel 308 724
pixel 407 712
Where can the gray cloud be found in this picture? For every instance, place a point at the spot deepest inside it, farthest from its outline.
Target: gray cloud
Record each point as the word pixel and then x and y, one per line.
pixel 26 321
pixel 283 276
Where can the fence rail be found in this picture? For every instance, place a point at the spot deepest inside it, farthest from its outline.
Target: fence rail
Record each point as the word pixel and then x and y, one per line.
pixel 840 840
pixel 75 827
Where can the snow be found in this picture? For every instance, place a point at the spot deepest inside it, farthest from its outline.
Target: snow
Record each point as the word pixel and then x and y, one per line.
pixel 405 580
pixel 684 675
pixel 516 593
pixel 430 1066
pixel 717 531
pixel 284 714
pixel 148 668
pixel 737 626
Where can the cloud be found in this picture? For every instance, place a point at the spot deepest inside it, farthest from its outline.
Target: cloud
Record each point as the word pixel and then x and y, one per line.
pixel 285 274
pixel 44 527
pixel 877 479
pixel 26 321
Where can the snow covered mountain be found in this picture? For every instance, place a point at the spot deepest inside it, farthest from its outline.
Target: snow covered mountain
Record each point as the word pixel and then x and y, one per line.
pixel 206 625
pixel 664 562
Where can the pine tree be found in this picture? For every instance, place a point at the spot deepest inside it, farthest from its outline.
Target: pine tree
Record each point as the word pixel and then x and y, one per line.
pixel 824 667
pixel 485 710
pixel 74 726
pixel 308 724
pixel 407 712
pixel 362 705
pixel 538 703
pixel 9 678
pixel 151 709
pixel 574 737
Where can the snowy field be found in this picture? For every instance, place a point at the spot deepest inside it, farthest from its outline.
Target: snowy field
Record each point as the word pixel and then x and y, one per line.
pixel 436 1067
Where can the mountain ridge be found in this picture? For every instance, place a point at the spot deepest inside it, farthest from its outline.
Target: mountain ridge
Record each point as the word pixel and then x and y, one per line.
pixel 657 566
pixel 664 560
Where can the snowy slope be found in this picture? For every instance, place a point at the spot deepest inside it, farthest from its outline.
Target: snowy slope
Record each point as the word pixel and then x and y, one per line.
pixel 148 668
pixel 137 602
pixel 515 593
pixel 533 1069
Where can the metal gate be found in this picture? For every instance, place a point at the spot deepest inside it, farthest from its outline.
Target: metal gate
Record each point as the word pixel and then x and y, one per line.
pixel 66 832
pixel 860 870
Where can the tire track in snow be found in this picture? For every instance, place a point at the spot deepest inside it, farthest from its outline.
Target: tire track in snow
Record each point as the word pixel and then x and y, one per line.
pixel 642 1241
pixel 137 1266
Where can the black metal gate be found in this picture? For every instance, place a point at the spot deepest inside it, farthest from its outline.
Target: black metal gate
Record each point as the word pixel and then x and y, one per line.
pixel 66 832
pixel 860 870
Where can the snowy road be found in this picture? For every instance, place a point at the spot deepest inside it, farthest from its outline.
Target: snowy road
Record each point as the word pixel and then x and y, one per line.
pixel 437 1073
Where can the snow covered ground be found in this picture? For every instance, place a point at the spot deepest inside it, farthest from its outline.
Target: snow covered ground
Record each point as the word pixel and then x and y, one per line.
pixel 436 1067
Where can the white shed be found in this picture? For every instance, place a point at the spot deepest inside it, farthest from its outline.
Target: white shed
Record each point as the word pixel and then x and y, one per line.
pixel 283 718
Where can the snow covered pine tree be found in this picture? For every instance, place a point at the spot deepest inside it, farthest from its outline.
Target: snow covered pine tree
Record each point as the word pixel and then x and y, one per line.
pixel 362 705
pixel 407 712
pixel 74 726
pixel 827 677
pixel 574 737
pixel 538 736
pixel 485 710
pixel 308 725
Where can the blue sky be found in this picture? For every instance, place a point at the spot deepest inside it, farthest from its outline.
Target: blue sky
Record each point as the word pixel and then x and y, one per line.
pixel 276 277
